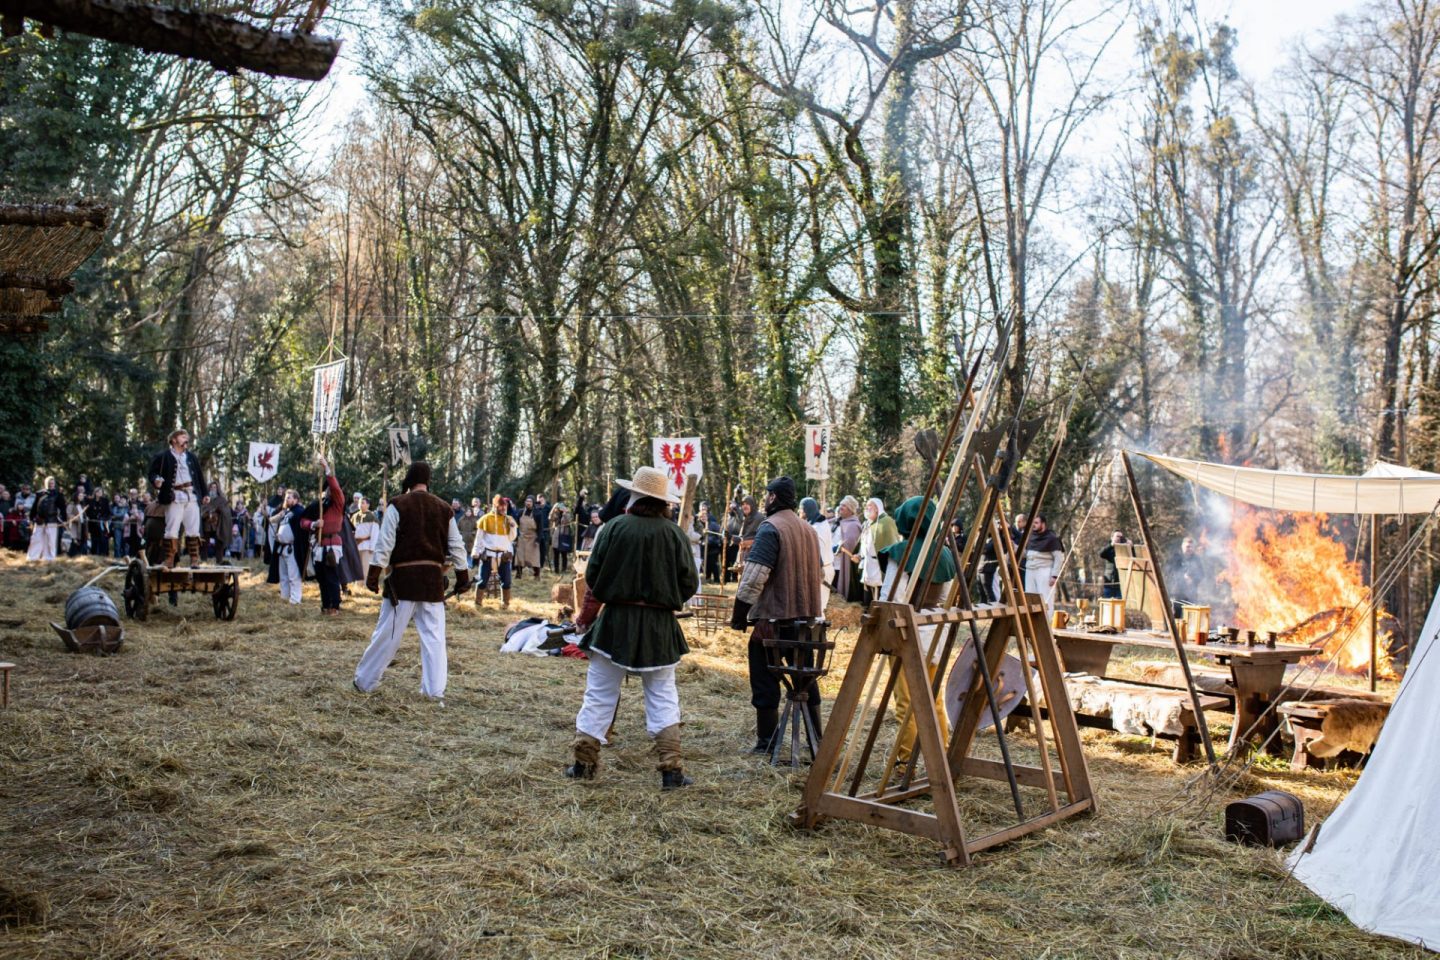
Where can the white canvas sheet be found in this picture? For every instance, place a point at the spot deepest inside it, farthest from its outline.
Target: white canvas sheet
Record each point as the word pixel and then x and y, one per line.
pixel 1384 489
pixel 1377 857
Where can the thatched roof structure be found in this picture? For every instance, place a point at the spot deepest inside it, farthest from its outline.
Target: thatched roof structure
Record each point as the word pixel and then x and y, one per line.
pixel 225 42
pixel 41 245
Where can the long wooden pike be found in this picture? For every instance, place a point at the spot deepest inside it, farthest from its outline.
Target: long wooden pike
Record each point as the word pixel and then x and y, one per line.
pixel 950 428
pixel 1050 461
pixel 1202 725
pixel 978 412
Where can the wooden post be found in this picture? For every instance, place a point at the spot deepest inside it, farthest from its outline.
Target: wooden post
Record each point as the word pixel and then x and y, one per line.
pixel 1144 521
pixel 1374 604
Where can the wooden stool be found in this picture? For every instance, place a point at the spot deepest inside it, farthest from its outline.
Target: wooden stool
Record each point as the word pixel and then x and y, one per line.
pixel 5 669
pixel 1308 720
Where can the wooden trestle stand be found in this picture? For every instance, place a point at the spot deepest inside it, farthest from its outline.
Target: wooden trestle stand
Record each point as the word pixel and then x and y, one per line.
pixel 878 789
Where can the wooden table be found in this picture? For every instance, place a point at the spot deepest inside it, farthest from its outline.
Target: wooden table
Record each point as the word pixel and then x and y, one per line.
pixel 1257 673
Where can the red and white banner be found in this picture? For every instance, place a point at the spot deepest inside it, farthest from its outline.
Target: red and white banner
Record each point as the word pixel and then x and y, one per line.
pixel 817 451
pixel 264 460
pixel 328 381
pixel 678 457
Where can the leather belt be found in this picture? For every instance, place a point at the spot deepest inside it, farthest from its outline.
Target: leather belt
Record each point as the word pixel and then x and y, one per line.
pixel 417 563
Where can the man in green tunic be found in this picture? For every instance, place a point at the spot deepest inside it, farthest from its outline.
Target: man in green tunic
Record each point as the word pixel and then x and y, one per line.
pixel 642 571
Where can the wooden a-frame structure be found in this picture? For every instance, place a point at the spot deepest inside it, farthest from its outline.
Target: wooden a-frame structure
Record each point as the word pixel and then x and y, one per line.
pixel 852 780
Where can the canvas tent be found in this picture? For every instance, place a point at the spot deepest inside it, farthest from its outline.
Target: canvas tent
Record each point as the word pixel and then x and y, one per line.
pixel 1376 858
pixel 1384 489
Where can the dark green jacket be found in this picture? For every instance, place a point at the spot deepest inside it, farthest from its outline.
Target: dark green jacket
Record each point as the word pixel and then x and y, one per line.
pixel 640 560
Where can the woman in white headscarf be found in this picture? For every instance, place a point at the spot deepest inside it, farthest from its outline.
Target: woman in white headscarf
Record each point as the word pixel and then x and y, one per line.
pixel 878 534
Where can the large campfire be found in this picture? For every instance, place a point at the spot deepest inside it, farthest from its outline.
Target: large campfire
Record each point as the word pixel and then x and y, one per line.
pixel 1296 578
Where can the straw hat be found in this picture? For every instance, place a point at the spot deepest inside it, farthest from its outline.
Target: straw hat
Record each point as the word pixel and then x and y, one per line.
pixel 649 482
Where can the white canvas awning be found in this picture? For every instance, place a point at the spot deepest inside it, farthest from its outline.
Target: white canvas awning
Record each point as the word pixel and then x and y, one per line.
pixel 1383 489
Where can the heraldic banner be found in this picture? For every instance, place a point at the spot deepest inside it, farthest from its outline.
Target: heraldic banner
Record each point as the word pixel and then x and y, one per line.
pixel 264 460
pixel 399 445
pixel 817 451
pixel 678 457
pixel 328 380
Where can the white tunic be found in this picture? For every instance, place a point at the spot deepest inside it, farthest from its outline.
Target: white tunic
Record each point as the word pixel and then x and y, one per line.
pixel 182 475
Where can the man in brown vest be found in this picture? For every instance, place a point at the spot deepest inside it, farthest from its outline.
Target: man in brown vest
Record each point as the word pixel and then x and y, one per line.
pixel 417 538
pixel 781 580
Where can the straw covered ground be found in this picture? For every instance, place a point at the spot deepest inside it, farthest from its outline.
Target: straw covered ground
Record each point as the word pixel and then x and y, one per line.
pixel 219 790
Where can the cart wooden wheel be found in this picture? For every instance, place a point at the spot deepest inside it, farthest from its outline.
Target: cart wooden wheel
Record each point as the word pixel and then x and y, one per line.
pixel 226 598
pixel 137 590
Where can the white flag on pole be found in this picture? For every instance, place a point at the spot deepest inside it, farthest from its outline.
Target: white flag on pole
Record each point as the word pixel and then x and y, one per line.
pixel 817 451
pixel 399 445
pixel 264 460
pixel 678 457
pixel 328 380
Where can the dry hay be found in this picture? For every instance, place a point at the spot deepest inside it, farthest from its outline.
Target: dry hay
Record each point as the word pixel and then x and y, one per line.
pixel 218 790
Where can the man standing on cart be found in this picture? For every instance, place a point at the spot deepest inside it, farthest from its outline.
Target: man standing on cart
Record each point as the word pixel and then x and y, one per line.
pixel 175 473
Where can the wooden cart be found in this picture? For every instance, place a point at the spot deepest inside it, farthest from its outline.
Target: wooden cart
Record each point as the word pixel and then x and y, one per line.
pixel 144 584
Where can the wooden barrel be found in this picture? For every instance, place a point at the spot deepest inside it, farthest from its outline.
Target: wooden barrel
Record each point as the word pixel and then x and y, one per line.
pixel 90 607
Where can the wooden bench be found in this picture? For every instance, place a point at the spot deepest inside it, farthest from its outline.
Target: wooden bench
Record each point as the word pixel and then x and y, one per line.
pixel 1168 673
pixel 5 669
pixel 1332 730
pixel 1141 709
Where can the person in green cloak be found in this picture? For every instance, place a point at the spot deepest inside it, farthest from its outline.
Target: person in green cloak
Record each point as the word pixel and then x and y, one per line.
pixel 642 571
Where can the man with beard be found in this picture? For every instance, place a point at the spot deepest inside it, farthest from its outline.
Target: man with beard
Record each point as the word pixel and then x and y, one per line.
pixel 175 474
pixel 781 580
pixel 1044 557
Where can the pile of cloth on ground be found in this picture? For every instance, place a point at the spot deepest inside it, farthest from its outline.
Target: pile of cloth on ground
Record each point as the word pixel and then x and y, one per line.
pixel 542 638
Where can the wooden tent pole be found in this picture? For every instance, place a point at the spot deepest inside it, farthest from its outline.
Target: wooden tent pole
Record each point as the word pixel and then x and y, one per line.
pixel 1169 612
pixel 1374 605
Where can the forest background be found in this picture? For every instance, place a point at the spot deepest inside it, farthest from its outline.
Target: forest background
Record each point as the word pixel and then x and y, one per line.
pixel 553 229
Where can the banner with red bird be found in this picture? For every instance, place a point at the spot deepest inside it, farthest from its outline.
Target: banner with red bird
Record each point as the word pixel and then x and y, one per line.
pixel 678 457
pixel 329 378
pixel 817 451
pixel 264 460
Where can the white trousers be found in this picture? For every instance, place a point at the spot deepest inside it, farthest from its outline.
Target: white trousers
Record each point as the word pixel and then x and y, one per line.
pixel 43 537
pixel 394 618
pixel 182 513
pixel 602 696
pixel 1038 581
pixel 289 578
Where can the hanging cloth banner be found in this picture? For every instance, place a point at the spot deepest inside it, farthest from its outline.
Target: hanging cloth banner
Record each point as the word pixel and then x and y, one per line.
pixel 399 446
pixel 328 379
pixel 678 457
pixel 264 460
pixel 817 451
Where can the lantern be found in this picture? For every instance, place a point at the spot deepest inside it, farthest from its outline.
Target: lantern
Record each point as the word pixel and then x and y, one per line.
pixel 1112 613
pixel 1197 621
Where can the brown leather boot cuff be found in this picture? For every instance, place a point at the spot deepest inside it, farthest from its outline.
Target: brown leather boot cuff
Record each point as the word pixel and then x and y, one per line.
pixel 667 748
pixel 586 749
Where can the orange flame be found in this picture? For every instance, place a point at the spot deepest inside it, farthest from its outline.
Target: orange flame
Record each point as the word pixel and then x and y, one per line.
pixel 1296 579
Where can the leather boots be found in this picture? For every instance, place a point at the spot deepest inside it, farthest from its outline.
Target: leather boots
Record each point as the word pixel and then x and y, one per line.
pixel 586 750
pixel 668 759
